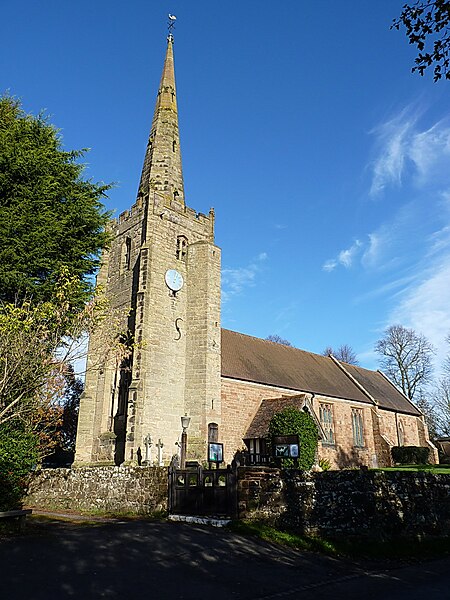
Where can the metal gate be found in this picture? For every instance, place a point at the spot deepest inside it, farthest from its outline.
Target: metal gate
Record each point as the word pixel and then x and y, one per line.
pixel 203 492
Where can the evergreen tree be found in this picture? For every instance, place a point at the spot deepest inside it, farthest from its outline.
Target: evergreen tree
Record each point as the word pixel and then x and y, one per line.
pixel 50 217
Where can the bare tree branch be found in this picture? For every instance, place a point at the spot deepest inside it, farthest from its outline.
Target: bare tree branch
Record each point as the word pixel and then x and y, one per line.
pixel 406 357
pixel 344 353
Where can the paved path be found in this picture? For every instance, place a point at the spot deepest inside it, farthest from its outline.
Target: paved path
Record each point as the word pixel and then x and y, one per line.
pixel 174 561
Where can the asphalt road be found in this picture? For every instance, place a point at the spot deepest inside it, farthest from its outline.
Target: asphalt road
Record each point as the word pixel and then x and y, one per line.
pixel 174 561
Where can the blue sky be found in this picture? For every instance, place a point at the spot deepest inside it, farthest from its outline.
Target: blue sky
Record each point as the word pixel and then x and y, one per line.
pixel 326 160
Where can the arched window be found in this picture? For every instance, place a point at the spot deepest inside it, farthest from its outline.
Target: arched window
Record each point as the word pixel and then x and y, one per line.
pixel 182 245
pixel 326 420
pixel 213 433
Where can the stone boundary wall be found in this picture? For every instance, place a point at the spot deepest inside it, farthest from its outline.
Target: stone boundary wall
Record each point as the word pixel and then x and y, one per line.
pixel 119 490
pixel 371 504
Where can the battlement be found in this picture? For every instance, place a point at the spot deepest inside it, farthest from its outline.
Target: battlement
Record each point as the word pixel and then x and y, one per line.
pixel 190 212
pixel 131 212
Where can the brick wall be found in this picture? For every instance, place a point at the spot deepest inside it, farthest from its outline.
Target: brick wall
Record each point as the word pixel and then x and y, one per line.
pixel 344 453
pixel 241 401
pixel 349 503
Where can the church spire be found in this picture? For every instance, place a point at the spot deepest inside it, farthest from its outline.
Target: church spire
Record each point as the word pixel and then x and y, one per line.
pixel 162 170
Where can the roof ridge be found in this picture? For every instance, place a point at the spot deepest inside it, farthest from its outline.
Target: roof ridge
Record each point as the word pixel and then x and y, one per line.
pixel 273 343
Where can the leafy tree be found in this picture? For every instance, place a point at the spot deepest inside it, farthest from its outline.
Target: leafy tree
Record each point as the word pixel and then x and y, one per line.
pixel 38 344
pixel 274 337
pixel 427 27
pixel 292 421
pixel 406 357
pixel 345 353
pixel 50 217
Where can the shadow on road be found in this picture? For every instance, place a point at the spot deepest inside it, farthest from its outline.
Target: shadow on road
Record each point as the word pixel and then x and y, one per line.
pixel 165 561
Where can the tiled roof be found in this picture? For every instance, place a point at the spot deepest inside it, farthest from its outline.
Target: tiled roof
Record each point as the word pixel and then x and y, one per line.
pixel 260 425
pixel 252 359
pixel 382 390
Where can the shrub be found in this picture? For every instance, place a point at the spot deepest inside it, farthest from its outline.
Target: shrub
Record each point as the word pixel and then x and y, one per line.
pixel 324 464
pixel 410 455
pixel 292 421
pixel 18 457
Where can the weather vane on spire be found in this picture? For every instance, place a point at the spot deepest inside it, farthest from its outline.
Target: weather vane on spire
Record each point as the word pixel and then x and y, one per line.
pixel 170 26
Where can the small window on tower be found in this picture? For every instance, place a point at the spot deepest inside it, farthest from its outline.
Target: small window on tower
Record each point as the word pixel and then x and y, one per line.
pixel 126 255
pixel 182 244
pixel 174 145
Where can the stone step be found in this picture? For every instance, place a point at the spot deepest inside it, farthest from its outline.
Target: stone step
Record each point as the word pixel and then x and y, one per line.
pixel 199 520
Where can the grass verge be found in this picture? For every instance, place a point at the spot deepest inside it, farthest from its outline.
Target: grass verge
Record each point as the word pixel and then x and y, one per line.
pixel 435 469
pixel 284 538
pixel 393 549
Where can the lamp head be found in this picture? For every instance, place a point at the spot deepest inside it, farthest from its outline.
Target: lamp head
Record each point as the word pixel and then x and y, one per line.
pixel 185 422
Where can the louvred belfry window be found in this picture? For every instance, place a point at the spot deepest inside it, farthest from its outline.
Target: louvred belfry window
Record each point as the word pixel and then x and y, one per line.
pixel 182 245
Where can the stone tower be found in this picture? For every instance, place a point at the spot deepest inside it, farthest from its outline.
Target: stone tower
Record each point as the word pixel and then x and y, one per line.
pixel 163 270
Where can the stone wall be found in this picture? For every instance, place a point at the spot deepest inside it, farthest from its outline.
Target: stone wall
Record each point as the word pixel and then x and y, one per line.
pixel 372 504
pixel 120 490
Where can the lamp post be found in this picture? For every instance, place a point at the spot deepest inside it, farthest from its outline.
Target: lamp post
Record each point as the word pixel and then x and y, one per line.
pixel 184 424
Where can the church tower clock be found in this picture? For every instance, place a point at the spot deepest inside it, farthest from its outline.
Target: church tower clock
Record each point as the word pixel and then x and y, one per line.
pixel 163 271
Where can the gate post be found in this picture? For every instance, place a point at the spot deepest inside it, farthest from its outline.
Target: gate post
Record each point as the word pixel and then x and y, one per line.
pixel 233 490
pixel 170 472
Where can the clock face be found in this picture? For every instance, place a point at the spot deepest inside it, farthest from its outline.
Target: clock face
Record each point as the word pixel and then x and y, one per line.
pixel 174 280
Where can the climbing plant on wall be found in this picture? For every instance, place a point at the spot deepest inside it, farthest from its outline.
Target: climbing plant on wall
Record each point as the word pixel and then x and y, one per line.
pixel 292 421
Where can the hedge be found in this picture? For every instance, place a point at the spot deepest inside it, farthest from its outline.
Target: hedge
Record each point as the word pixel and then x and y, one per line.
pixel 410 455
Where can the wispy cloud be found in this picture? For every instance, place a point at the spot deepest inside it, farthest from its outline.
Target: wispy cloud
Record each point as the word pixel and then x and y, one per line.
pixel 424 306
pixel 391 288
pixel 407 255
pixel 439 241
pixel 285 317
pixel 400 143
pixel 374 249
pixel 345 258
pixel 235 281
pixel 392 139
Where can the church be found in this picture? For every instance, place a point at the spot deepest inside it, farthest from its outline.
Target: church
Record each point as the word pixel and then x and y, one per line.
pixel 163 270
